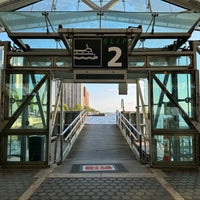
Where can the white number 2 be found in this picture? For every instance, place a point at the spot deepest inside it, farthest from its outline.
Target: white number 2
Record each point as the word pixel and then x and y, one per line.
pixel 113 61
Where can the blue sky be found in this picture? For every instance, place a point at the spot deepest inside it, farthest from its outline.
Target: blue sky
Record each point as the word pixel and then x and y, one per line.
pixel 104 97
pixel 129 5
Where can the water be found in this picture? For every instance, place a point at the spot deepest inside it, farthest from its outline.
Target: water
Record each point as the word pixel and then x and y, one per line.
pixel 109 119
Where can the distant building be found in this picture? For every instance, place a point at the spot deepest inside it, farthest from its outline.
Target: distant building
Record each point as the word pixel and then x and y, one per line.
pixel 86 97
pixel 73 94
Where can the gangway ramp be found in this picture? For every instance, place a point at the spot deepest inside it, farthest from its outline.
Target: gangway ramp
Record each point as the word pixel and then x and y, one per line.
pixel 101 144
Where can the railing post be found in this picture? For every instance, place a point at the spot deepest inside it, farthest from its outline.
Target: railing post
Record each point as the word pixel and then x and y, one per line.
pixel 61 148
pixel 140 142
pixel 120 120
pixel 55 149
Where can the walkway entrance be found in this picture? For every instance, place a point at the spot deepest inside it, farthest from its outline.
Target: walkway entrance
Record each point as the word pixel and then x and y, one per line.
pixel 101 55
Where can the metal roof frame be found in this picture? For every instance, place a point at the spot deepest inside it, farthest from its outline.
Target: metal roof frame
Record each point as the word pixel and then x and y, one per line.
pixel 66 34
pixel 12 5
pixel 193 5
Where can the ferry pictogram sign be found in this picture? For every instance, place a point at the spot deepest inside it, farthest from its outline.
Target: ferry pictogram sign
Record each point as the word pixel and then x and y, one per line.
pixel 100 52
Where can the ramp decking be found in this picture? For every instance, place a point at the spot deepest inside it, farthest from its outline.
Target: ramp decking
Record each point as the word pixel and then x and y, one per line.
pixel 101 144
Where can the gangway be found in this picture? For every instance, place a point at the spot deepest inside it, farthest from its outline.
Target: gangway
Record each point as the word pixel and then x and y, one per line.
pixel 98 147
pixel 63 142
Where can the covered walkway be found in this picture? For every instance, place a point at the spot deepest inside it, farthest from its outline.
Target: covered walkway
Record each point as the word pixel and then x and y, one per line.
pixel 168 103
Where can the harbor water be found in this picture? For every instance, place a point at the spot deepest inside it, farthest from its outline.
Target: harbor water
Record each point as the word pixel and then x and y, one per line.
pixel 110 118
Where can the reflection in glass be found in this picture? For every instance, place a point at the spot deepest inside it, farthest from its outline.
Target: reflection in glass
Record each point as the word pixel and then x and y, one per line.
pixel 165 22
pixel 174 148
pixel 198 57
pixel 63 62
pixel 136 61
pixel 1 63
pixel 170 61
pixel 30 61
pixel 26 148
pixel 19 88
pixel 166 113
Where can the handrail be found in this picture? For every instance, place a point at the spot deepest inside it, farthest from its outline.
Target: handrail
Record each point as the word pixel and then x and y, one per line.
pixel 73 122
pixel 134 137
pixel 71 125
pixel 132 126
pixel 56 105
pixel 66 139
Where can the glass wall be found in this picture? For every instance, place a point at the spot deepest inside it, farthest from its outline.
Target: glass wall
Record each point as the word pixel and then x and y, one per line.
pixel 170 61
pixel 26 148
pixel 30 61
pixel 172 101
pixel 27 98
pixel 136 61
pixel 26 108
pixel 173 108
pixel 40 61
pixel 198 57
pixel 1 64
pixel 174 148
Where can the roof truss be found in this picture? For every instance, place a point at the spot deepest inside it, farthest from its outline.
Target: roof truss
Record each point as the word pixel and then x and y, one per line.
pixel 12 5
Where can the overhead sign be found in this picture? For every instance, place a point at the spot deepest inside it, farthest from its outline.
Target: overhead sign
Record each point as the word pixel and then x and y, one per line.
pixel 100 52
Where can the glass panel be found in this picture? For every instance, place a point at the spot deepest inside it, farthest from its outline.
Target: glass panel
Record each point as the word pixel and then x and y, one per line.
pixel 198 58
pixel 1 64
pixel 34 114
pixel 165 112
pixel 136 61
pixel 35 20
pixel 26 148
pixel 1 57
pixel 31 61
pixel 169 61
pixel 64 61
pixel 155 43
pixel 174 148
pixel 44 43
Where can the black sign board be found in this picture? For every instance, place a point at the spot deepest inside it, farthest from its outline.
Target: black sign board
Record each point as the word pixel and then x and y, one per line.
pixel 100 52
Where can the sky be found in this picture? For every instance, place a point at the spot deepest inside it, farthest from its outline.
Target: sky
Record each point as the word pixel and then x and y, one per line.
pixel 105 97
pixel 121 5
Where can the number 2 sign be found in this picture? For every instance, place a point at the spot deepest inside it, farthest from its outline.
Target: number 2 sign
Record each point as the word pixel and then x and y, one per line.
pixel 114 51
pixel 102 52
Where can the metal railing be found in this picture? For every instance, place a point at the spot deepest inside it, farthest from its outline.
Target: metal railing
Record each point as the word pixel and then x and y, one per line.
pixel 136 140
pixel 63 142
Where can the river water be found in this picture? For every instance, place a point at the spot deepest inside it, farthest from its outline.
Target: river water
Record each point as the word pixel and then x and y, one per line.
pixel 110 118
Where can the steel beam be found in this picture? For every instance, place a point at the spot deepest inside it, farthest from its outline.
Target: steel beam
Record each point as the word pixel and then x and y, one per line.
pixel 109 4
pixel 193 5
pixel 13 5
pixel 91 4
